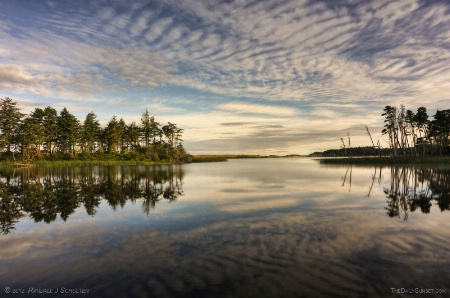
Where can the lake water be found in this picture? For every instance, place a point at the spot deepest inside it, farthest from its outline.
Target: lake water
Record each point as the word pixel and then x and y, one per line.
pixel 242 228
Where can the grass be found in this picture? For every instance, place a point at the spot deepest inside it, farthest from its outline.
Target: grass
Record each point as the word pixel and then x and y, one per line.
pixel 114 162
pixel 75 163
pixel 386 160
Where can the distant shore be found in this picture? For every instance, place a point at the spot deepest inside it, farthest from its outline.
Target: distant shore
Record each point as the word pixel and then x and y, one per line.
pixel 225 157
pixel 113 162
pixel 386 160
pixel 371 160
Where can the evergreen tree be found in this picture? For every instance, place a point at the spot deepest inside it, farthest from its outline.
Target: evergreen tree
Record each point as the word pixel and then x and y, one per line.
pixel 156 130
pixel 122 135
pixel 147 132
pixel 50 123
pixel 32 134
pixel 440 130
pixel 422 123
pixel 10 118
pixel 172 133
pixel 390 127
pixel 91 133
pixel 133 133
pixel 411 124
pixel 68 132
pixel 112 135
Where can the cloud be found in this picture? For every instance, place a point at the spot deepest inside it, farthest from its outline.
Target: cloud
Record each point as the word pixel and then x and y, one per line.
pixel 159 107
pixel 236 123
pixel 257 109
pixel 85 70
pixel 14 74
pixel 291 50
pixel 236 48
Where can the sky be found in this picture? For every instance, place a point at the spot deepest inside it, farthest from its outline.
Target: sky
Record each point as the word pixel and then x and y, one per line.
pixel 239 76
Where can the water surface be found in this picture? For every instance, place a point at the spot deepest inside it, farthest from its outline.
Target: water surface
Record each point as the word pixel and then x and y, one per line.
pixel 242 228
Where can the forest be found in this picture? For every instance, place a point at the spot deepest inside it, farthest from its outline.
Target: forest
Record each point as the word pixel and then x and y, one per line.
pixel 46 135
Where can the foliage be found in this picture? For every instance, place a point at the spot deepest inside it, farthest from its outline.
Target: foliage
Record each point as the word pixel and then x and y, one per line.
pixel 46 135
pixel 414 134
pixel 10 120
pixel 67 132
pixel 435 160
pixel 91 133
pixel 408 134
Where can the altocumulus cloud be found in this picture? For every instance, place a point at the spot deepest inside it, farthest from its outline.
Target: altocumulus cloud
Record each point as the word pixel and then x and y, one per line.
pixel 257 109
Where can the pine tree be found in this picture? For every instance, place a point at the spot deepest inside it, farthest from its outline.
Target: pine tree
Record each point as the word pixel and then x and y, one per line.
pixel 422 123
pixel 133 133
pixel 91 133
pixel 32 134
pixel 112 135
pixel 147 132
pixel 10 119
pixel 68 132
pixel 122 126
pixel 50 123
pixel 440 130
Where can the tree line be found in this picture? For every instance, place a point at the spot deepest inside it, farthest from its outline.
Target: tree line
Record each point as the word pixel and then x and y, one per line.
pixel 45 134
pixel 413 134
pixel 408 134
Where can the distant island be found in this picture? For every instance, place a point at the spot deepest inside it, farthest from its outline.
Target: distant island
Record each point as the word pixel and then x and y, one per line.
pixel 45 135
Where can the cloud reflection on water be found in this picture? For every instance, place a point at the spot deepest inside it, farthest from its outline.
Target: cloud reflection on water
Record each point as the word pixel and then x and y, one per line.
pixel 319 240
pixel 280 255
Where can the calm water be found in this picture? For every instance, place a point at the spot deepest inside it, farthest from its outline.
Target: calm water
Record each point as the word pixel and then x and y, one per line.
pixel 242 228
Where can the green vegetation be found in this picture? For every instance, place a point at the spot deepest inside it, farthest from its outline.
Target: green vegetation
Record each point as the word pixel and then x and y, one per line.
pixel 387 160
pixel 74 163
pixel 45 137
pixel 412 139
pixel 354 151
pixel 414 135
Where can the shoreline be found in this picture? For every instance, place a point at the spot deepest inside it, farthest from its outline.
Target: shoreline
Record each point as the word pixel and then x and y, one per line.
pixel 385 160
pixel 357 160
pixel 74 163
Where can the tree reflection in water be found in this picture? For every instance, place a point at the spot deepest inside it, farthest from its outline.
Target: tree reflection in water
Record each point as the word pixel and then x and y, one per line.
pixel 416 188
pixel 410 189
pixel 43 194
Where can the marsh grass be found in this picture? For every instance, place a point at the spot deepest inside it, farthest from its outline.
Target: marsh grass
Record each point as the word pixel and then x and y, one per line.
pixel 114 162
pixel 80 163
